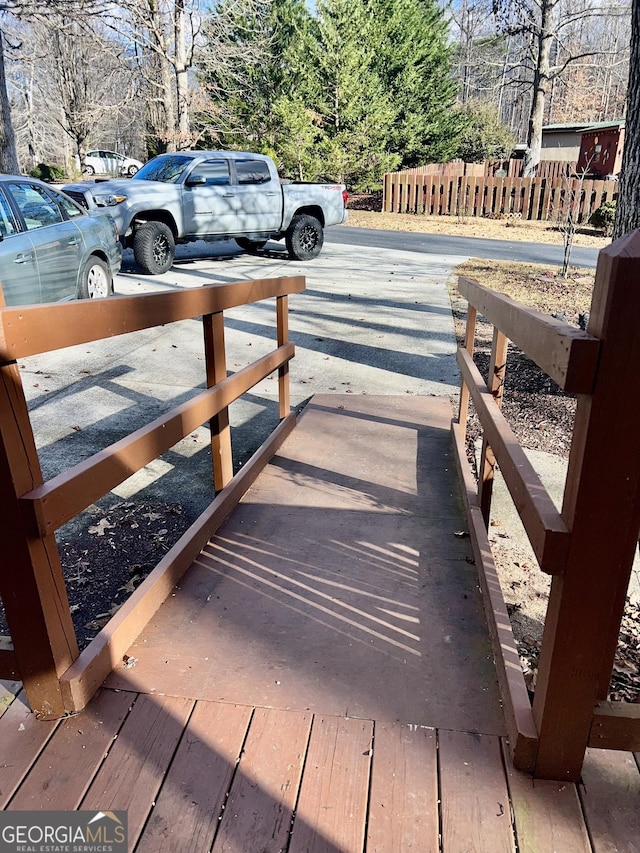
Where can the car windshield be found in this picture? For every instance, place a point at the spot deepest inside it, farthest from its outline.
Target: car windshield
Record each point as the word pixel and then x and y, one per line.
pixel 168 168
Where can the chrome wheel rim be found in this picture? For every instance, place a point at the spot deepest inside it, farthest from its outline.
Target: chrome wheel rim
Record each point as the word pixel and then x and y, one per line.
pixel 97 282
pixel 308 238
pixel 160 249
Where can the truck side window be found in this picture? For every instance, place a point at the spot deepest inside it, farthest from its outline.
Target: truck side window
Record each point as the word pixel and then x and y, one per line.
pixel 252 172
pixel 215 171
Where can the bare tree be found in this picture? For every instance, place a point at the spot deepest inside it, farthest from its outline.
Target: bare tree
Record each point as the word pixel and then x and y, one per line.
pixel 544 26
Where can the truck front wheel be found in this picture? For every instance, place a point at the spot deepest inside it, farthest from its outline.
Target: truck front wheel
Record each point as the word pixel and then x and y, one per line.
pixel 154 247
pixel 304 237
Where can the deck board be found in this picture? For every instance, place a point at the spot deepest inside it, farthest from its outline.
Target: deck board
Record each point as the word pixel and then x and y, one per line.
pixel 133 772
pixel 258 813
pixel 403 808
pixel 188 809
pixel 22 738
pixel 57 783
pixel 547 815
pixel 332 807
pixel 475 800
pixel 610 793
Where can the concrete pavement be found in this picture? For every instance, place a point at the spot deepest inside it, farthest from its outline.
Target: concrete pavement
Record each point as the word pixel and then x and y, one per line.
pixel 371 321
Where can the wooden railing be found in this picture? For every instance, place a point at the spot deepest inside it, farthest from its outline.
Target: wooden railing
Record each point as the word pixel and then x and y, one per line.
pixel 546 199
pixel 42 650
pixel 589 546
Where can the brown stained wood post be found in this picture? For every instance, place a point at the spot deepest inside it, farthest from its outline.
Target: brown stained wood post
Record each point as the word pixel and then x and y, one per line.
pixel 284 392
pixel 31 581
pixel 216 362
pixel 602 510
pixel 469 341
pixel 497 368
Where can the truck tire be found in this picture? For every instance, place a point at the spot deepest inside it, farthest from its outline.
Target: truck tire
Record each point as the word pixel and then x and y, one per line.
pixel 154 247
pixel 251 246
pixel 304 237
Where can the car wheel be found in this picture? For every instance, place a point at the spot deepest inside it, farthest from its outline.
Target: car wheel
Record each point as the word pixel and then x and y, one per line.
pixel 132 170
pixel 251 246
pixel 304 237
pixel 96 281
pixel 89 170
pixel 154 247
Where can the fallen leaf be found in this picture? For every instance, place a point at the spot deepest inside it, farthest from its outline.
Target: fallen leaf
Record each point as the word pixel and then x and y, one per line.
pixel 101 526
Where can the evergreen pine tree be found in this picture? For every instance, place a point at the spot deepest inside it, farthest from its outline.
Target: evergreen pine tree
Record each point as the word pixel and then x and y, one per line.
pixel 413 60
pixel 357 113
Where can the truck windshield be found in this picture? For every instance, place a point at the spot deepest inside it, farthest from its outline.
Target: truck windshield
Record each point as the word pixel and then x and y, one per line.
pixel 168 168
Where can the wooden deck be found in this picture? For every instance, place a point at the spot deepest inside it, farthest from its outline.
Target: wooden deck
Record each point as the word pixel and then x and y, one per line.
pixel 322 678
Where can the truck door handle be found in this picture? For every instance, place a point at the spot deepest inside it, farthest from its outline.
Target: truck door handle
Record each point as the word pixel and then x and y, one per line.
pixel 228 195
pixel 271 193
pixel 74 241
pixel 22 259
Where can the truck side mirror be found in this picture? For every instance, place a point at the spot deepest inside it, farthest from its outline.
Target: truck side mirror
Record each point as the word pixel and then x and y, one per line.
pixel 196 180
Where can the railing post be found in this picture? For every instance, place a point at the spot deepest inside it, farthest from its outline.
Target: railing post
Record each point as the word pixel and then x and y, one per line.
pixel 284 393
pixel 602 510
pixel 216 364
pixel 497 368
pixel 31 580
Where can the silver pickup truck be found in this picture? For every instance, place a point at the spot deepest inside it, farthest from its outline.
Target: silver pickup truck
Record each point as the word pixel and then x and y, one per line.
pixel 213 195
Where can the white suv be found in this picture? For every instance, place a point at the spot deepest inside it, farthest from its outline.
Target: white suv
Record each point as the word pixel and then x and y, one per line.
pixel 101 162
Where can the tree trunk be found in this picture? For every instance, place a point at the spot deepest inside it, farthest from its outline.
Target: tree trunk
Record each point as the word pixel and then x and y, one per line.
pixel 182 83
pixel 8 153
pixel 628 207
pixel 540 89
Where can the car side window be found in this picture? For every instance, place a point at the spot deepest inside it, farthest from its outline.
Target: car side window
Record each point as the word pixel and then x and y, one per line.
pixel 252 172
pixel 7 220
pixel 70 208
pixel 36 207
pixel 215 171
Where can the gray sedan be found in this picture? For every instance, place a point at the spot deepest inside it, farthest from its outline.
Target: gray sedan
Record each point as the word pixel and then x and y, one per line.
pixel 50 247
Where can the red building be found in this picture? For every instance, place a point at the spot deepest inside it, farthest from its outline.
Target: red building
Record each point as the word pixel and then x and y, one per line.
pixel 601 149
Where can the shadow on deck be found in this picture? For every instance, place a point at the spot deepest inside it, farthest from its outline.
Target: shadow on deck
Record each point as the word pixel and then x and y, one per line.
pixel 322 677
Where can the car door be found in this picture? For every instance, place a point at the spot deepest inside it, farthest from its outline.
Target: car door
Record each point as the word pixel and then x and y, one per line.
pixel 209 199
pixel 259 197
pixel 57 242
pixel 19 278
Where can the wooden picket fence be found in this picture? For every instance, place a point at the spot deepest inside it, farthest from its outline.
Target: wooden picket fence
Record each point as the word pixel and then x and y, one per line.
pixel 478 195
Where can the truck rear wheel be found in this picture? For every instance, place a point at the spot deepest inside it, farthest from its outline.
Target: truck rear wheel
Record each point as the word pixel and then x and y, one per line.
pixel 304 237
pixel 154 247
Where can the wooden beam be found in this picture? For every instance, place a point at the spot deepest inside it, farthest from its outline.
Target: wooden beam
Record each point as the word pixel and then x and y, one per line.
pixel 523 736
pixel 543 523
pixel 616 725
pixel 31 582
pixel 52 504
pixel 497 370
pixel 469 341
pixel 284 394
pixel 105 651
pixel 569 356
pixel 36 329
pixel 216 361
